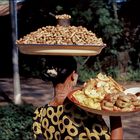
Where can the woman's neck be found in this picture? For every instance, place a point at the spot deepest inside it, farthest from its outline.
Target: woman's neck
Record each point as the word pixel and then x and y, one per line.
pixel 56 101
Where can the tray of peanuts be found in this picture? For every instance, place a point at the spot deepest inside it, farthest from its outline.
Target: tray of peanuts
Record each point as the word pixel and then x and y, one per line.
pixel 103 95
pixel 62 39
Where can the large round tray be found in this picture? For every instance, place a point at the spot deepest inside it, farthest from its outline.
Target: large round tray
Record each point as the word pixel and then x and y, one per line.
pixel 100 112
pixel 65 50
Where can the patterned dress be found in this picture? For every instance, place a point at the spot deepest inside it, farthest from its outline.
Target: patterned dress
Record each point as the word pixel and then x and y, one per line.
pixel 68 122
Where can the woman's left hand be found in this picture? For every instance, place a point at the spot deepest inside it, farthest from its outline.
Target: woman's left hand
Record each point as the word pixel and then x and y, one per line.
pixel 116 128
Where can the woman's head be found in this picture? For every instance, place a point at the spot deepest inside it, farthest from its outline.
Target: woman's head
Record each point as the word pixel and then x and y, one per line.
pixel 58 68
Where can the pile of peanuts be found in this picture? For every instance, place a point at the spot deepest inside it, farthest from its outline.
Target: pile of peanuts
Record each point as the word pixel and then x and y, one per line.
pixel 64 16
pixel 54 35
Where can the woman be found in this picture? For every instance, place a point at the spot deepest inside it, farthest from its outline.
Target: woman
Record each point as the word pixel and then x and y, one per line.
pixel 63 120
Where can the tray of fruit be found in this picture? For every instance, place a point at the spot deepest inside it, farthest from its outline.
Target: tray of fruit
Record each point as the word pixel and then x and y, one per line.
pixel 103 95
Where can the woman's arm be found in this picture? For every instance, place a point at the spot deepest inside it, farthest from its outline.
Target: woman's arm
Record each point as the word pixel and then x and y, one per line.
pixel 116 128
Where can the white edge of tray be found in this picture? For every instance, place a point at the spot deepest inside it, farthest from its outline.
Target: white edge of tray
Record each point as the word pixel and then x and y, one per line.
pixel 79 50
pixel 132 90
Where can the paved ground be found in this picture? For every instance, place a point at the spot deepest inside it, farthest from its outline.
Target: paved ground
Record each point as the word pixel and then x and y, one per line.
pixel 34 91
pixel 38 93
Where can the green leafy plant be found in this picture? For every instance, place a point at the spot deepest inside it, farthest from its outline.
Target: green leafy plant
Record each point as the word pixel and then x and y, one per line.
pixel 131 75
pixel 16 122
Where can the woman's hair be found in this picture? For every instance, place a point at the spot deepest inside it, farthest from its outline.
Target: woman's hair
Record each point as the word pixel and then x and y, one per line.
pixel 58 68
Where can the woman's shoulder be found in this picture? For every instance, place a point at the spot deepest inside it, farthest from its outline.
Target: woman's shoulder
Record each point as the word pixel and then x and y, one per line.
pixel 41 109
pixel 67 107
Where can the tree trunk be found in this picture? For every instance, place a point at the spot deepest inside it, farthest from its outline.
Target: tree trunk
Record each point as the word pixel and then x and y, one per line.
pixel 114 4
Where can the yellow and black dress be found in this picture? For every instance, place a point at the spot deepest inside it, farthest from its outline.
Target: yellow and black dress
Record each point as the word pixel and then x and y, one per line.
pixel 68 122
